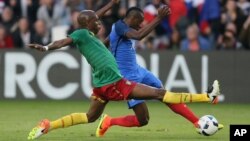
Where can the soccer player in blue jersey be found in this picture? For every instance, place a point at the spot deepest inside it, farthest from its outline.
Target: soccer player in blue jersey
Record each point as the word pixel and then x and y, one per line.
pixel 122 38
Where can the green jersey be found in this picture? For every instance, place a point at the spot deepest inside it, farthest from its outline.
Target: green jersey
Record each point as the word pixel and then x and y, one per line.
pixel 104 68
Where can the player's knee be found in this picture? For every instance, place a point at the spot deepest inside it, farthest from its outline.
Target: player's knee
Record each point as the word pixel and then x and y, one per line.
pixel 92 118
pixel 160 94
pixel 144 121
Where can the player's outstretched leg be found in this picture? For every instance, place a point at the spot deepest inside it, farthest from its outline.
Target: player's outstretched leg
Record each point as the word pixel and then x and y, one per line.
pixel 211 96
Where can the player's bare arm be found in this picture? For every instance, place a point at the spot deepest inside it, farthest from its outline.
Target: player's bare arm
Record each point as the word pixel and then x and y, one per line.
pixel 52 46
pixel 138 35
pixel 108 6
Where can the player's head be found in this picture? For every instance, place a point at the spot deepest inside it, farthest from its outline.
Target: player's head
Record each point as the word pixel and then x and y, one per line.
pixel 89 20
pixel 135 17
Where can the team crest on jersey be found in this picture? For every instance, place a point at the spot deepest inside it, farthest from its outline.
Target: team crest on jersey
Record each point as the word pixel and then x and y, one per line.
pixel 128 82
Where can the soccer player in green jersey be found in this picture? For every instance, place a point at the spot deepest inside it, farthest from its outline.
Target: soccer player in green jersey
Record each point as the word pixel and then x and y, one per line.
pixel 107 81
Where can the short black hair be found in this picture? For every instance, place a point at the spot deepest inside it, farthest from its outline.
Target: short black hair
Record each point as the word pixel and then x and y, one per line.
pixel 132 11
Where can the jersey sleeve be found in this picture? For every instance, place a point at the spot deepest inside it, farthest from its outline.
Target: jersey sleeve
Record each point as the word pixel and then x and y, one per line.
pixel 121 29
pixel 78 36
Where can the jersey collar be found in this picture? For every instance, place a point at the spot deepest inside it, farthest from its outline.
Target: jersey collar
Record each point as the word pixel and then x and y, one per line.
pixel 91 33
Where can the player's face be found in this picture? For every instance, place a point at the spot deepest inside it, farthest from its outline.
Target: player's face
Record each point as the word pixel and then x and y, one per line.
pixel 137 21
pixel 95 24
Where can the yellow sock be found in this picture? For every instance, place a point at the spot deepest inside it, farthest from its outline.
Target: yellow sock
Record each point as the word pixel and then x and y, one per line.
pixel 175 98
pixel 69 120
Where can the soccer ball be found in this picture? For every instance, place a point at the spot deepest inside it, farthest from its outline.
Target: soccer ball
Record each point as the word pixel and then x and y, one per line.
pixel 207 125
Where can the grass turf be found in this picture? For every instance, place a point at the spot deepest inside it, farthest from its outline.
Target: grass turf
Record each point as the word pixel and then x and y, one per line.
pixel 17 118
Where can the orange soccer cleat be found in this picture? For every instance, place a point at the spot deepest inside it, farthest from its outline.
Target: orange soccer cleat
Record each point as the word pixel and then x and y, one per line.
pixel 103 125
pixel 40 129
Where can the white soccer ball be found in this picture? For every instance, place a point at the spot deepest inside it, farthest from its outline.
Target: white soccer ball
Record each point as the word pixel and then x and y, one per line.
pixel 207 125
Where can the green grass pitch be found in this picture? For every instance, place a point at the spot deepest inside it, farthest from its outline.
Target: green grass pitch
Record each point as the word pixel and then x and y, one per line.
pixel 17 118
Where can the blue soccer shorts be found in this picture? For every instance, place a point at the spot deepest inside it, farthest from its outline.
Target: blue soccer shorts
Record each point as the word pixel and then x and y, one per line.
pixel 150 80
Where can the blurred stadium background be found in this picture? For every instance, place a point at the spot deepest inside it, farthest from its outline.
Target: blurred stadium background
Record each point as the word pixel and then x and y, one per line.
pixel 200 41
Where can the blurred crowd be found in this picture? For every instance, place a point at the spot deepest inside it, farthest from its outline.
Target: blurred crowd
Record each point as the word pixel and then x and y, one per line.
pixel 194 25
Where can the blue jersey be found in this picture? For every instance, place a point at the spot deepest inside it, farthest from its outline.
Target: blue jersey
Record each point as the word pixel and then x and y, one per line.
pixel 124 52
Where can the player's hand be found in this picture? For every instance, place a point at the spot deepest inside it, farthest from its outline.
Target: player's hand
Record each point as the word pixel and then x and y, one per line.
pixel 37 46
pixel 116 1
pixel 164 11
